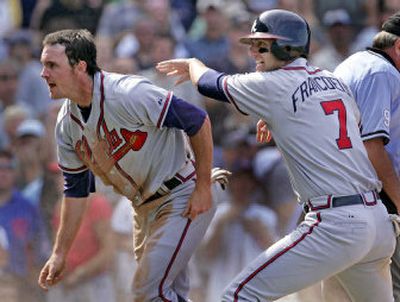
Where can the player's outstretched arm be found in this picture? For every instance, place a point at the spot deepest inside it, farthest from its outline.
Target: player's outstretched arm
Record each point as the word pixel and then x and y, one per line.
pixel 72 211
pixel 202 146
pixel 185 69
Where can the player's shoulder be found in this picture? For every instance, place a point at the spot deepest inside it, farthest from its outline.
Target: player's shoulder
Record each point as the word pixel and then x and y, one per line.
pixel 370 62
pixel 64 110
pixel 121 83
pixel 121 86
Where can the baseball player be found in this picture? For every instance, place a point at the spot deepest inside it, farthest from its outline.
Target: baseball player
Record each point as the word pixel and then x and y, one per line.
pixel 129 133
pixel 314 121
pixel 373 77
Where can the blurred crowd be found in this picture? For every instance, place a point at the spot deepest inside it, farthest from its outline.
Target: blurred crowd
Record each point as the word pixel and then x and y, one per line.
pixel 256 209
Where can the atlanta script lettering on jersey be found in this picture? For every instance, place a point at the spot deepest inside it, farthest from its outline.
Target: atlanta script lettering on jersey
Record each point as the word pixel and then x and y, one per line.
pixel 314 85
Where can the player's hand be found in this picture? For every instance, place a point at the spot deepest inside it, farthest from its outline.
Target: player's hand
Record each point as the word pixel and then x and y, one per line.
pixel 263 133
pixel 176 67
pixel 199 202
pixel 52 272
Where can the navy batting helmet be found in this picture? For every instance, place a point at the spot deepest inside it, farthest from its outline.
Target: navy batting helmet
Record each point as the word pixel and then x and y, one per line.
pixel 290 32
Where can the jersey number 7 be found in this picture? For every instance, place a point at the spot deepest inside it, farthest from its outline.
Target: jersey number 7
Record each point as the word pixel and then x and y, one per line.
pixel 329 107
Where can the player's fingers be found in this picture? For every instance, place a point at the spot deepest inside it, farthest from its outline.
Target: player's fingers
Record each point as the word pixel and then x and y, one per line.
pixel 42 279
pixel 269 137
pixel 174 72
pixel 260 136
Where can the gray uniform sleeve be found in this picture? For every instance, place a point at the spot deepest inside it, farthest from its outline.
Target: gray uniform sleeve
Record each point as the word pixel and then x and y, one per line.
pixel 67 158
pixel 374 102
pixel 253 93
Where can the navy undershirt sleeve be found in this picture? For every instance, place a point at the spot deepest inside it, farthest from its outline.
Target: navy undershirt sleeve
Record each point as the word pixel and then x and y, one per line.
pixel 185 116
pixel 79 185
pixel 210 85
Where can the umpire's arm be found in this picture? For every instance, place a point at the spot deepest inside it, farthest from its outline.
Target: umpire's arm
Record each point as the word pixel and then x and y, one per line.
pixel 384 169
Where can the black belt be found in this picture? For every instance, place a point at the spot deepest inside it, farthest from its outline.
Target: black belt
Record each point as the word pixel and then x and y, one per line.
pixel 341 201
pixel 170 184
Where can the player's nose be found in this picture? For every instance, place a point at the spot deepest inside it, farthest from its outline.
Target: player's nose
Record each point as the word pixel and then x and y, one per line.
pixel 44 73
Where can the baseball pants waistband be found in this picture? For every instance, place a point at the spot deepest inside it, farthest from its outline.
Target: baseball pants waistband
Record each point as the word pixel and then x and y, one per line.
pixel 329 201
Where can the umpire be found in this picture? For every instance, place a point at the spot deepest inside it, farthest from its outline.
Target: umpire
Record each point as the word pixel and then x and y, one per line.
pixel 373 77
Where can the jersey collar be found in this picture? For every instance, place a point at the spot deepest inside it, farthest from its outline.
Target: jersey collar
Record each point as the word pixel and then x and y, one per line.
pixel 383 54
pixel 297 62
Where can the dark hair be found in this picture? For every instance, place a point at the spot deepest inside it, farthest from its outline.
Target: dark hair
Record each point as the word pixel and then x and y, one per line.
pixel 79 46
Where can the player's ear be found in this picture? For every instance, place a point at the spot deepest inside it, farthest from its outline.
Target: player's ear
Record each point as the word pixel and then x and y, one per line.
pixel 81 66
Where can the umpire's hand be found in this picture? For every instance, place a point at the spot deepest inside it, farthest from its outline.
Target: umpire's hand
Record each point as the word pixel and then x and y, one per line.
pixel 52 272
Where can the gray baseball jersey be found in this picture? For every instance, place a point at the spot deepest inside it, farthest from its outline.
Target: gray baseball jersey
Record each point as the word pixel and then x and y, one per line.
pixel 128 117
pixel 123 142
pixel 346 231
pixel 297 102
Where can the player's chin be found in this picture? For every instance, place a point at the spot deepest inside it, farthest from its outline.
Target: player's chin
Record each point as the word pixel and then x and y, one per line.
pixel 260 67
pixel 55 95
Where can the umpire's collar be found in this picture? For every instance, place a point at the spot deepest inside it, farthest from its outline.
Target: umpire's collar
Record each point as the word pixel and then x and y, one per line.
pixel 383 54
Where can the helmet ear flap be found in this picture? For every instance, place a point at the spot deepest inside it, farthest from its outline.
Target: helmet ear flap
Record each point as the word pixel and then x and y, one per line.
pixel 281 53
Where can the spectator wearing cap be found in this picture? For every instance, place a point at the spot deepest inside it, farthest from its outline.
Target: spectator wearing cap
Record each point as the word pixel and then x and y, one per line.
pixel 24 230
pixel 340 33
pixel 27 149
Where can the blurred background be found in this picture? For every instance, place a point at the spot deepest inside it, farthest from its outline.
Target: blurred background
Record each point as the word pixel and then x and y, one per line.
pixel 258 206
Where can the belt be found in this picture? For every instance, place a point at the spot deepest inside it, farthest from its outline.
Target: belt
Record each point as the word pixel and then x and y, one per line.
pixel 340 201
pixel 170 184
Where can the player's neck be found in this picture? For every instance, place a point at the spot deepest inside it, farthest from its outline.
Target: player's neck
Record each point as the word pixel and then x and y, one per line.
pixel 83 93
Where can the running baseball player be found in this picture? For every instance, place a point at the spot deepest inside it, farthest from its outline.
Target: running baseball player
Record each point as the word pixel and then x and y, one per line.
pixel 129 133
pixel 314 121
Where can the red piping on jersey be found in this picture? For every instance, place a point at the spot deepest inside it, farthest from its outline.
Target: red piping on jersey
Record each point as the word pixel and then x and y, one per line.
pixel 76 120
pixel 160 119
pixel 101 124
pixel 128 177
pixel 185 179
pixel 102 97
pixel 225 84
pixel 271 260
pixel 302 68
pixel 171 262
